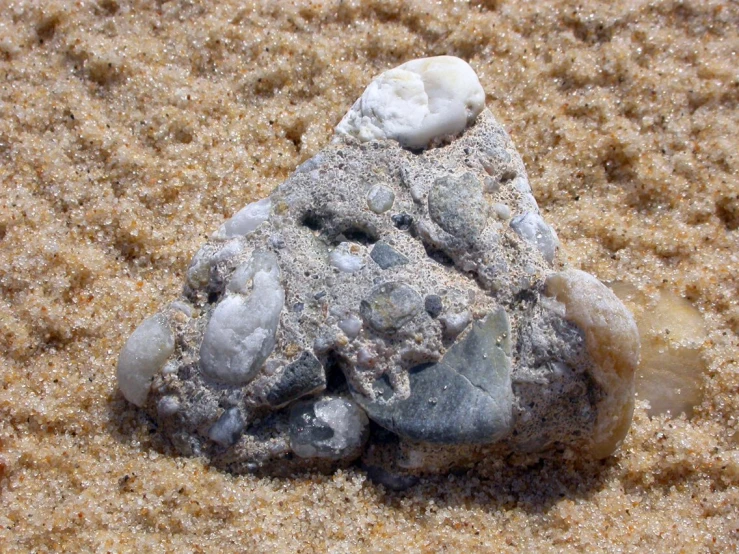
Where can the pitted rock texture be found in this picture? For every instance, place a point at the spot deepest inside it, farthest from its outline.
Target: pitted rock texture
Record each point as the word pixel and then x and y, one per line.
pixel 397 301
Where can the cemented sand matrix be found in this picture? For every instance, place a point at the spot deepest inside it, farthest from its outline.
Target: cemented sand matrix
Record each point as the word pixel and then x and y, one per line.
pixel 130 131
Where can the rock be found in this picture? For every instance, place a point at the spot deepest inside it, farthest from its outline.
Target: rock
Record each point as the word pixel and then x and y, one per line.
pixel 612 343
pixel 465 398
pixel 389 306
pixel 241 331
pixel 403 276
pixel 457 206
pixel 227 430
pixel 302 377
pixel 673 338
pixel 145 353
pixel 416 103
pixel 346 257
pixel 380 199
pixel 386 256
pixel 433 305
pixel 333 428
pixel 534 229
pixel 246 220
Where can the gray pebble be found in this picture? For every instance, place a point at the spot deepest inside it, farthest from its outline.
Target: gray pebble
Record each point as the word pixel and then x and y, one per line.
pixel 389 306
pixel 386 256
pixel 227 430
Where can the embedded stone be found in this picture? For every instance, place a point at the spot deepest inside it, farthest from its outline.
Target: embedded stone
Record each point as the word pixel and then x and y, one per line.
pixel 389 306
pixel 300 378
pixel 466 398
pixel 457 205
pixel 433 305
pixel 332 428
pixel 380 199
pixel 402 221
pixel 227 430
pixel 241 331
pixel 386 256
pixel 344 259
pixel 246 220
pixel 417 103
pixel 532 228
pixel 145 353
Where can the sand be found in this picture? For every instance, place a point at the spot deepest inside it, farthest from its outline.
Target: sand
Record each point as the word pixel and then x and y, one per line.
pixel 130 130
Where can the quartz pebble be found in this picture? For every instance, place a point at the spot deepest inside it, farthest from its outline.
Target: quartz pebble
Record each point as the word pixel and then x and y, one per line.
pixel 334 428
pixel 404 277
pixel 380 199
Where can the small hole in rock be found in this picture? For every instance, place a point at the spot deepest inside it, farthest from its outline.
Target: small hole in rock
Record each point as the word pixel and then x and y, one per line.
pixel 362 236
pixel 313 221
pixel 335 379
pixel 507 176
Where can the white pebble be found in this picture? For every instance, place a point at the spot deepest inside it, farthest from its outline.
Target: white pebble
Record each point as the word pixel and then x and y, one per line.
pixel 502 211
pixel 241 332
pixel 146 351
pixel 416 103
pixel 454 324
pixel 532 228
pixel 351 326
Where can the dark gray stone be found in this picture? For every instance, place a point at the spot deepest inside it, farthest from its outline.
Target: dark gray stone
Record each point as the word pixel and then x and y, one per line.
pixel 386 256
pixel 456 204
pixel 402 221
pixel 302 377
pixel 466 398
pixel 389 306
pixel 433 305
pixel 227 430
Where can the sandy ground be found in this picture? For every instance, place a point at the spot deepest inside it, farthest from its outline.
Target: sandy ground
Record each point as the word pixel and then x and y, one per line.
pixel 130 130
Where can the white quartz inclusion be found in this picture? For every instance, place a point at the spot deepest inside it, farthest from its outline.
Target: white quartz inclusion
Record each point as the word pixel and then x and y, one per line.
pixel 416 103
pixel 343 259
pixel 346 421
pixel 241 332
pixel 532 228
pixel 351 326
pixel 245 221
pixel 145 352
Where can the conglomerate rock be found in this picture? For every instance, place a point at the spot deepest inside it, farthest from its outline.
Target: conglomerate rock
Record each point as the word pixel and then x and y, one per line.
pixel 396 301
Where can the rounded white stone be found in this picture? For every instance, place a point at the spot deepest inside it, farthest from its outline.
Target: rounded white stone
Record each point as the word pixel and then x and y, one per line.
pixel 351 326
pixel 241 332
pixel 145 352
pixel 416 103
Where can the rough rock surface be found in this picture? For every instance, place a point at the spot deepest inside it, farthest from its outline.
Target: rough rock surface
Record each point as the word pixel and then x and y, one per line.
pixel 398 299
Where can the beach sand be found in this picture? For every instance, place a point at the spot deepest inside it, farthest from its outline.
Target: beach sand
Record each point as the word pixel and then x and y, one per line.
pixel 130 130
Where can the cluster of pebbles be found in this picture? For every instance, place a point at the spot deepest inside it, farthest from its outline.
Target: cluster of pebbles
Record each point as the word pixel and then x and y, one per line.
pixel 397 301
